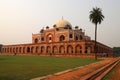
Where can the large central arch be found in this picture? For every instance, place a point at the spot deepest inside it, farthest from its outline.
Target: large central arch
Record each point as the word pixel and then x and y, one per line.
pixel 49 38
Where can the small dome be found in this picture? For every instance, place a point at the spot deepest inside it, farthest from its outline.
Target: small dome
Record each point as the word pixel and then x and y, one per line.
pixel 62 23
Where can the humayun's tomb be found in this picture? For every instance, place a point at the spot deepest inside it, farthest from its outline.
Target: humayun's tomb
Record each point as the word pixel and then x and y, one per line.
pixel 62 39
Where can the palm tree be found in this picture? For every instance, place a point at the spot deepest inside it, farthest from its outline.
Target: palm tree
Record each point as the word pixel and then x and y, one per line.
pixel 96 17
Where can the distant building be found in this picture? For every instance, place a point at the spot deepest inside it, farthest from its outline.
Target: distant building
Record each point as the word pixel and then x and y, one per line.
pixel 62 39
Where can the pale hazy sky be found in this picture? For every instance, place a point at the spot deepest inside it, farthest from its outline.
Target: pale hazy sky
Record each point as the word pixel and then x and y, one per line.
pixel 20 18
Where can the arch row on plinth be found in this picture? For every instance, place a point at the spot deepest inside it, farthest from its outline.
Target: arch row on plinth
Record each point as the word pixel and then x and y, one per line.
pixel 62 48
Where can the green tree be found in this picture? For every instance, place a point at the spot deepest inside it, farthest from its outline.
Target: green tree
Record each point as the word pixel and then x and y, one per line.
pixel 1 48
pixel 96 17
pixel 116 51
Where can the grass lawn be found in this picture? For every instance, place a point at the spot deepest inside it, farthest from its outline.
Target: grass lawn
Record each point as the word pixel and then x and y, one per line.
pixel 27 67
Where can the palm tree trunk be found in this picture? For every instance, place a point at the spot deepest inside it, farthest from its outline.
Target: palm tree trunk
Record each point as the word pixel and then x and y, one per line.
pixel 95 47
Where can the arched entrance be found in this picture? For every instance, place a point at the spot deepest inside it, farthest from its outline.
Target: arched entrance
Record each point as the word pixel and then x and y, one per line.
pixel 28 49
pixel 61 49
pixel 13 50
pixel 62 38
pixel 24 50
pixel 54 49
pixel 49 38
pixel 19 49
pixel 48 49
pixel 78 49
pixel 69 49
pixel 42 49
pixel 88 49
pixel 32 49
pixel 76 38
pixel 36 40
pixel 37 49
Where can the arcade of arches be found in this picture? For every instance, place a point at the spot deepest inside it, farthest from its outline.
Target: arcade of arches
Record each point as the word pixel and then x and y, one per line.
pixel 63 48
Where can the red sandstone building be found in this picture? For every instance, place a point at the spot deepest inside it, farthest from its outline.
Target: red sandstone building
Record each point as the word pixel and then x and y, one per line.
pixel 62 39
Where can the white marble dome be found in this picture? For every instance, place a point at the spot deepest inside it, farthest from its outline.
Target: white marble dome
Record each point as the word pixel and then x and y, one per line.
pixel 62 23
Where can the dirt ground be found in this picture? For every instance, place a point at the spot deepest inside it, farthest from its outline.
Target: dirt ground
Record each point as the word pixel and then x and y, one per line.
pixel 115 73
pixel 77 74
